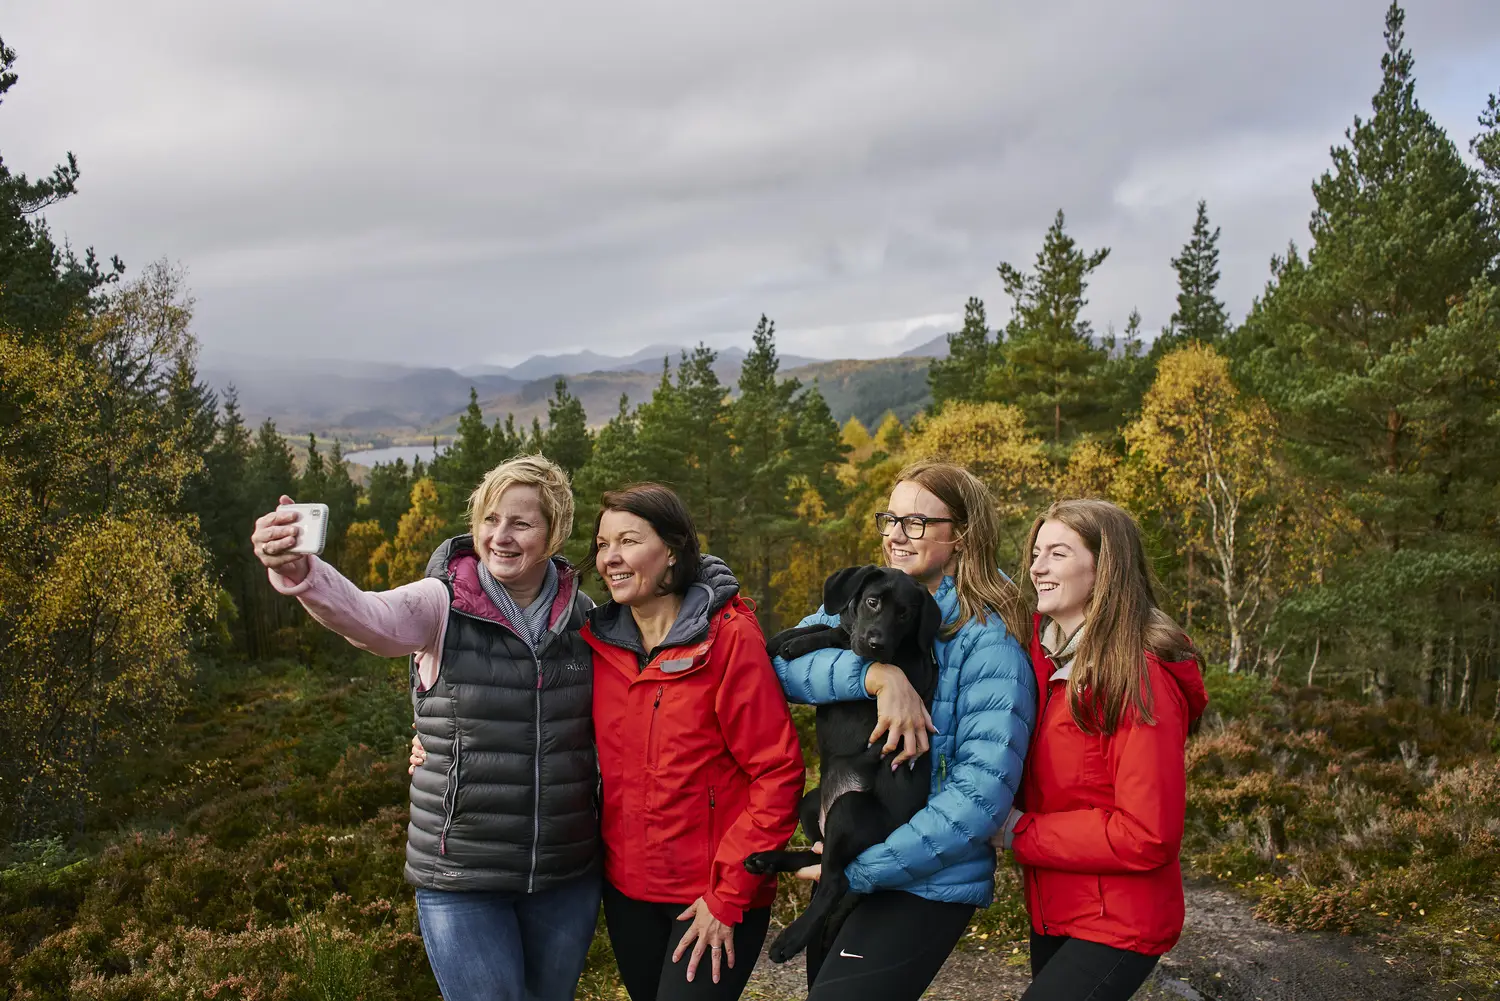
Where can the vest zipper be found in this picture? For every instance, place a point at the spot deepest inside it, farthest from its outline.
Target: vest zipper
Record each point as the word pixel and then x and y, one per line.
pixel 450 795
pixel 536 800
pixel 536 759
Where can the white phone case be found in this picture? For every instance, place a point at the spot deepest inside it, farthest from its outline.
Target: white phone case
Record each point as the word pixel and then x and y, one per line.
pixel 312 527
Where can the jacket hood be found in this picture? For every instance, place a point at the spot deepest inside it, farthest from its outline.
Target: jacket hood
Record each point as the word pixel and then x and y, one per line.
pixel 1189 678
pixel 1186 673
pixel 715 587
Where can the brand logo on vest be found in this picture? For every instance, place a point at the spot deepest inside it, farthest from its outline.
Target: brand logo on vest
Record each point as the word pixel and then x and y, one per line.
pixel 573 665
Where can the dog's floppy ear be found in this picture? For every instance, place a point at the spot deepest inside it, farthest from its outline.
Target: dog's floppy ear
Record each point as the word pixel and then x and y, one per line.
pixel 842 585
pixel 930 623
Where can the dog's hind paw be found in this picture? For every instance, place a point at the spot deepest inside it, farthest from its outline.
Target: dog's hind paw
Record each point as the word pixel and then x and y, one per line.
pixel 761 863
pixel 785 947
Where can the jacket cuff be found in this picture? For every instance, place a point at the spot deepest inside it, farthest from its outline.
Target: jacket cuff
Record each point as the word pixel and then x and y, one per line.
pixel 859 878
pixel 1018 835
pixel 284 586
pixel 857 692
pixel 724 911
pixel 1008 829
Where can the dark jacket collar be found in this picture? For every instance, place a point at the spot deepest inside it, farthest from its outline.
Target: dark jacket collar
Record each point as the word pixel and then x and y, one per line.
pixel 715 586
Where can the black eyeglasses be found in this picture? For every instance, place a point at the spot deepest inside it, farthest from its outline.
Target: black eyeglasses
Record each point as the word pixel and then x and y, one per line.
pixel 914 525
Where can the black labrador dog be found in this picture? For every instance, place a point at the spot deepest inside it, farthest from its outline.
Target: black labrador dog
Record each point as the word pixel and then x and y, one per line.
pixel 889 617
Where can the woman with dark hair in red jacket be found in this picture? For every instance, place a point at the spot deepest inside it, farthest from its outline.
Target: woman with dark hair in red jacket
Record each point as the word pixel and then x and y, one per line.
pixel 1099 820
pixel 698 758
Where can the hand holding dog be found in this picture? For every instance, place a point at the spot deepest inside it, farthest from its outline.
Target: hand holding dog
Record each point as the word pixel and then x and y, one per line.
pixel 812 873
pixel 707 932
pixel 904 720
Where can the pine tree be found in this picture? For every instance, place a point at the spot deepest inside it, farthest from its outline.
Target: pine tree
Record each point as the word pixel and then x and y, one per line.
pixel 44 284
pixel 192 409
pixel 684 441
pixel 762 423
pixel 819 449
pixel 341 494
pixel 568 441
pixel 270 472
pixel 312 483
pixel 1048 363
pixel 615 462
pixel 505 441
pixel 228 510
pixel 1379 355
pixel 961 376
pixel 461 466
pixel 388 494
pixel 1200 316
pixel 1486 149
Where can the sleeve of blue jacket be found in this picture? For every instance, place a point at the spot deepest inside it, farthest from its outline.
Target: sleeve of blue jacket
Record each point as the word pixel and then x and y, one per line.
pixel 995 714
pixel 823 676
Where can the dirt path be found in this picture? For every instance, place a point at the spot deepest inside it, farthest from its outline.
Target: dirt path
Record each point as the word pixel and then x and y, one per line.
pixel 1225 955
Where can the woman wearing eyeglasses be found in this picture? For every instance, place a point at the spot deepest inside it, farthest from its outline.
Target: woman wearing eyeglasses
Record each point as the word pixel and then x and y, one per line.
pixel 921 885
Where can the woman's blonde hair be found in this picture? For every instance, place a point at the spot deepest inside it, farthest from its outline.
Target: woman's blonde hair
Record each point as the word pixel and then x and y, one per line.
pixel 552 486
pixel 982 588
pixel 1122 621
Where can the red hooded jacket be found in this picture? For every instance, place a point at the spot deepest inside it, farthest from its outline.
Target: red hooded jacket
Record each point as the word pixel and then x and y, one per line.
pixel 698 758
pixel 1103 820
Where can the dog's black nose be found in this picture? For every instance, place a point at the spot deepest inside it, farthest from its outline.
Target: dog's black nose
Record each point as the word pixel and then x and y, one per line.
pixel 875 639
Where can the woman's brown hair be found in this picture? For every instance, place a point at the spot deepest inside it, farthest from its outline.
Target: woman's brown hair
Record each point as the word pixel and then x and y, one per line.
pixel 1122 622
pixel 982 589
pixel 668 516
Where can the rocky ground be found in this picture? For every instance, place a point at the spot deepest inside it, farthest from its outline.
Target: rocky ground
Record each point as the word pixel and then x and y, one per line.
pixel 1226 954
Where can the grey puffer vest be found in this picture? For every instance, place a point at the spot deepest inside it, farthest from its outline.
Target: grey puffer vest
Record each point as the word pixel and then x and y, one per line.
pixel 506 800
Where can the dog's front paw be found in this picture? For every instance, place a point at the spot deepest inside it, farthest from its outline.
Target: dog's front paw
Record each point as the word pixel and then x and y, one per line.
pixel 761 863
pixel 801 646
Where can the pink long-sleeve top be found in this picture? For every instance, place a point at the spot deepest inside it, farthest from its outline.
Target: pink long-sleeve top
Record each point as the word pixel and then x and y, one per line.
pixel 410 619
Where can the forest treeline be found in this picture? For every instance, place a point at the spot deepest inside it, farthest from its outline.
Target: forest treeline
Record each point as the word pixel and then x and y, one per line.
pixel 1319 481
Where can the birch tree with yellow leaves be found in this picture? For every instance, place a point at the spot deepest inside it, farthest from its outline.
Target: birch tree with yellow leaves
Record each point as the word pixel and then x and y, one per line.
pixel 1207 455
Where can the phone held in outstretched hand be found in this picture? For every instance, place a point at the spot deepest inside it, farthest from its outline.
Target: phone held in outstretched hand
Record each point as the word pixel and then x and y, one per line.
pixel 312 527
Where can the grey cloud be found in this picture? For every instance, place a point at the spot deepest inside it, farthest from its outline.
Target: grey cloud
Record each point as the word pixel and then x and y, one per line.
pixel 457 183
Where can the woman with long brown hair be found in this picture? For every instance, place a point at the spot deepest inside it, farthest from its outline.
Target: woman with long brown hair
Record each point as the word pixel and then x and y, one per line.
pixel 922 884
pixel 1099 821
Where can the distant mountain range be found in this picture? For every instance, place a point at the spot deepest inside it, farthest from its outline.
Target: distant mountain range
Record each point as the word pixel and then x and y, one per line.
pixel 375 404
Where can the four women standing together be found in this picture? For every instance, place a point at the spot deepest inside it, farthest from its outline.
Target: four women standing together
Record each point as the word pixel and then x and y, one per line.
pixel 658 719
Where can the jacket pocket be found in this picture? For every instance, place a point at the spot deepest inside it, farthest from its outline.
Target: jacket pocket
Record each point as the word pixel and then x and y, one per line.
pixel 1067 897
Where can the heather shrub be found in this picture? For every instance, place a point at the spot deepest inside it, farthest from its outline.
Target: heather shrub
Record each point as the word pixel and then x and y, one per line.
pixel 1341 816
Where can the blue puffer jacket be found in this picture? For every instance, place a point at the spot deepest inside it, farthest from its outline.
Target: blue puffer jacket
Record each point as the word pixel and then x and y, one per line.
pixel 984 709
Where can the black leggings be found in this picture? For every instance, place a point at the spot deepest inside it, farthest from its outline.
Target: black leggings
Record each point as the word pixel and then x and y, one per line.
pixel 889 949
pixel 644 935
pixel 1070 969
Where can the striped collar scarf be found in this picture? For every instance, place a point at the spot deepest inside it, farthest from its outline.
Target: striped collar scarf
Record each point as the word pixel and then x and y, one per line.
pixel 1062 649
pixel 530 622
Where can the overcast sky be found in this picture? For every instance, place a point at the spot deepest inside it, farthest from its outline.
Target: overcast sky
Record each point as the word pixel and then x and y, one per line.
pixel 455 183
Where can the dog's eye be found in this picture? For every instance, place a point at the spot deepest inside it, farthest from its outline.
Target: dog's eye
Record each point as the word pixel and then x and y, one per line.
pixel 900 613
pixel 872 602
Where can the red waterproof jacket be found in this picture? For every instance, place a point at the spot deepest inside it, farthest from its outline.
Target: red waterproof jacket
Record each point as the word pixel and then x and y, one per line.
pixel 1103 820
pixel 698 758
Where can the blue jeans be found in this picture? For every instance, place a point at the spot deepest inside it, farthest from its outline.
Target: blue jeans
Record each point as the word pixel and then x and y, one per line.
pixel 509 946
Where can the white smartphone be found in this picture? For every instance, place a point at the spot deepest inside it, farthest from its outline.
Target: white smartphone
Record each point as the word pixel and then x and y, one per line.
pixel 312 527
